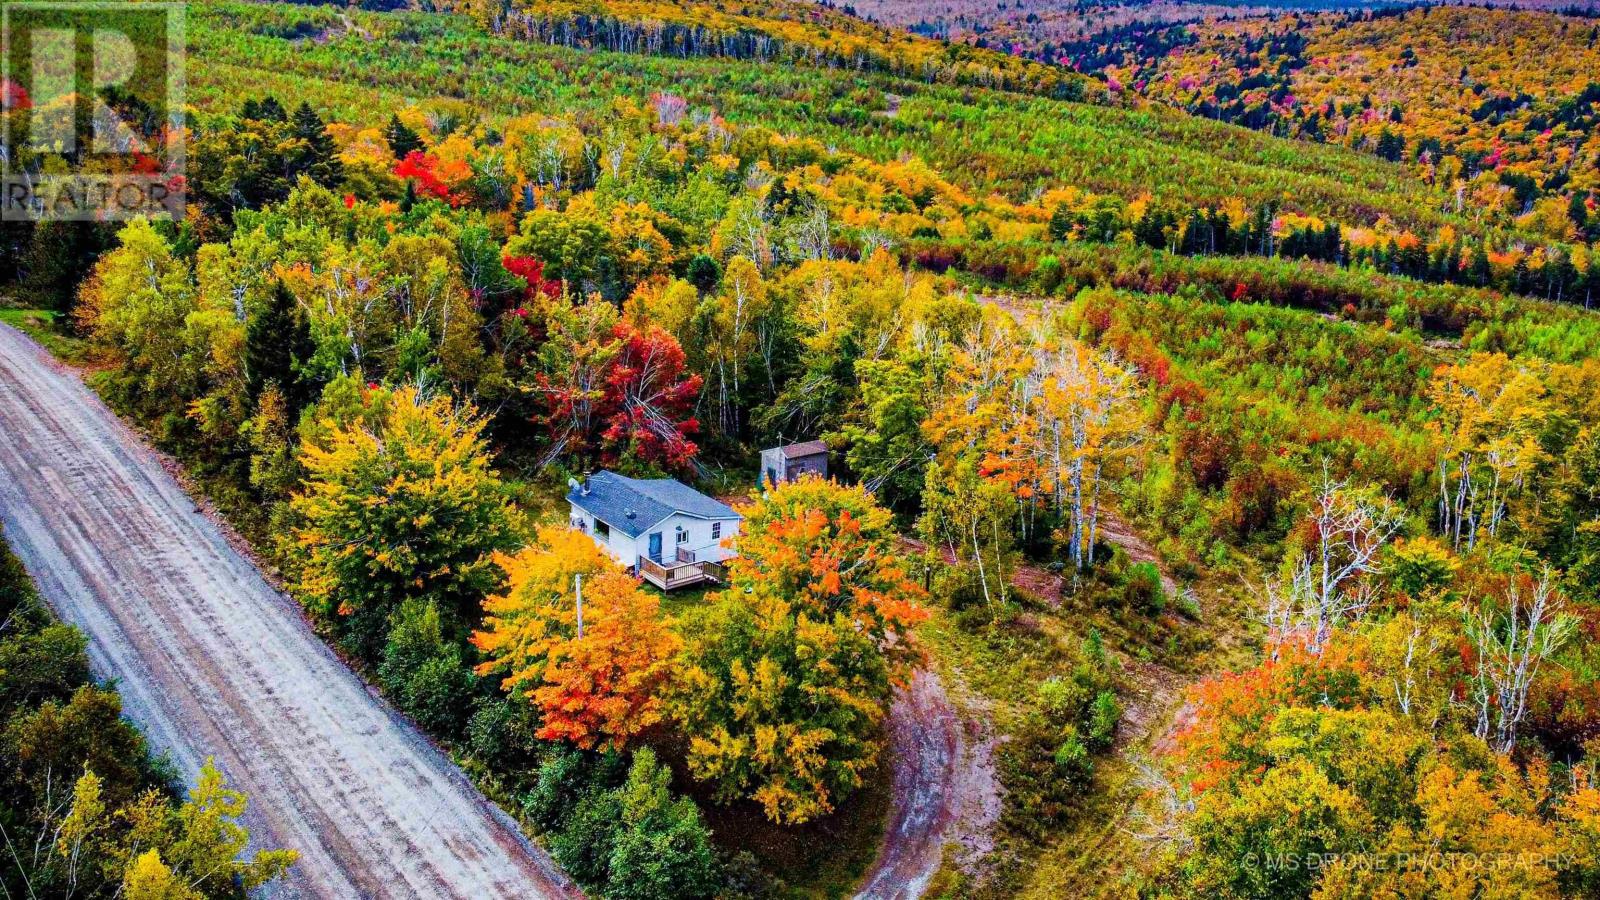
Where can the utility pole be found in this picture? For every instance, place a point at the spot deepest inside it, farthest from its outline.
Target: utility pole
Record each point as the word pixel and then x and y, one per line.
pixel 577 581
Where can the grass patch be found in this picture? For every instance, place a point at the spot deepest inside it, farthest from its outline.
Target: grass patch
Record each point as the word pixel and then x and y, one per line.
pixel 1003 659
pixel 1002 654
pixel 48 328
pixel 685 604
pixel 998 657
pixel 16 588
pixel 1093 854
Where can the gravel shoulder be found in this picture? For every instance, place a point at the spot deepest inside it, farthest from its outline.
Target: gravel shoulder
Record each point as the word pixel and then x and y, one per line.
pixel 212 661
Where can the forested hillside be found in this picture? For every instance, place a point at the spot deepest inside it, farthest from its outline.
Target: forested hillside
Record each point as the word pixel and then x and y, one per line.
pixel 1495 108
pixel 1511 123
pixel 783 31
pixel 1238 489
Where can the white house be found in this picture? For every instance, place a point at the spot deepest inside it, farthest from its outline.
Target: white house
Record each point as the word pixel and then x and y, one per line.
pixel 668 533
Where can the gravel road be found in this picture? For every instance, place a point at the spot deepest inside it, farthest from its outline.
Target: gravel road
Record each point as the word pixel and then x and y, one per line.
pixel 211 661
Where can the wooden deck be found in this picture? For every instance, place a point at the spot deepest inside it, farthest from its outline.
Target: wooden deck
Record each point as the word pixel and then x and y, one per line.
pixel 681 574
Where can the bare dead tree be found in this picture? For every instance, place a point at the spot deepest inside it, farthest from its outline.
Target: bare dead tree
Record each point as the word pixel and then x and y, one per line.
pixel 812 236
pixel 550 166
pixel 872 240
pixel 1159 821
pixel 1331 582
pixel 751 236
pixel 1405 682
pixel 1512 640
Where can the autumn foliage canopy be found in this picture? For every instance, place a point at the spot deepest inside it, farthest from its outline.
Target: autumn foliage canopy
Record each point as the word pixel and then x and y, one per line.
pixel 594 683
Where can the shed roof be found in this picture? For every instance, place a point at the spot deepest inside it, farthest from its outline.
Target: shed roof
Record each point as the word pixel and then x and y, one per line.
pixel 633 505
pixel 805 448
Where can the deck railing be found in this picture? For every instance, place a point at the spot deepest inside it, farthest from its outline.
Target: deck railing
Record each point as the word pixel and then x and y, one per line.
pixel 680 574
pixel 654 571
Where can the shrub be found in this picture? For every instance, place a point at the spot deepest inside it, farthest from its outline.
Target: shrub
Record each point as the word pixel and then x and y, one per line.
pixel 1072 759
pixel 1094 648
pixel 661 847
pixel 960 587
pixel 1142 589
pixel 1045 768
pixel 1104 714
pixel 423 673
pixel 564 777
pixel 41 666
pixel 1188 603
pixel 436 693
pixel 584 843
pixel 500 733
pixel 628 838
pixel 1049 762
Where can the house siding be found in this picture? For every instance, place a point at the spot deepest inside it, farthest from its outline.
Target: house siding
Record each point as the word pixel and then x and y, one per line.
pixel 808 465
pixel 619 545
pixel 698 538
pixel 628 550
pixel 772 468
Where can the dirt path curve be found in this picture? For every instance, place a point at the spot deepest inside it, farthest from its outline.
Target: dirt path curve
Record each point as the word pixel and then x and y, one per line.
pixel 211 661
pixel 945 790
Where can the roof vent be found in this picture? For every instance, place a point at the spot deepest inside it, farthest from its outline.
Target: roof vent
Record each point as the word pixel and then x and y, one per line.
pixel 630 513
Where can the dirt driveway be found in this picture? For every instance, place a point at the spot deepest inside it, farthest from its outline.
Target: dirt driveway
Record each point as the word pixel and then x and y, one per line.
pixel 945 791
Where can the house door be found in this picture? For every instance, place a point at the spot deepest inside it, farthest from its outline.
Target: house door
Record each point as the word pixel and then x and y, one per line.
pixel 655 546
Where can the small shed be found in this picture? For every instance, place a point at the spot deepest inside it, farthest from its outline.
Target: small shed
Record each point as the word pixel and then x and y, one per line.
pixel 787 463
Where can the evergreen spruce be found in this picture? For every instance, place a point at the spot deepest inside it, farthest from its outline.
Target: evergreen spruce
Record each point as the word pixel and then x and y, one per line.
pixel 402 140
pixel 319 159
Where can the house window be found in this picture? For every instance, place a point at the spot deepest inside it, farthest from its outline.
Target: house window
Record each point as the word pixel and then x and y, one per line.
pixel 683 535
pixel 716 530
pixel 602 530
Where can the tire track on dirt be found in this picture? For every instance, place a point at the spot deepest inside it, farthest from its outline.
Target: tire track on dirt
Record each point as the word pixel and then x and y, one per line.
pixel 211 661
pixel 946 791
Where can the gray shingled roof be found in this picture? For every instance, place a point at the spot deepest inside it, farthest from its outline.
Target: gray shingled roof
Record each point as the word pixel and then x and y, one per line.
pixel 612 497
pixel 805 448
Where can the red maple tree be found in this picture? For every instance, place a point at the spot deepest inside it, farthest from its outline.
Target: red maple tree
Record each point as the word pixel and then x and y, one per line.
pixel 621 390
pixel 648 398
pixel 531 271
pixel 422 169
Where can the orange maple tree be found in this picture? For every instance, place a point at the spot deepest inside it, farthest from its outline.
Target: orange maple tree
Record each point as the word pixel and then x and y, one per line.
pixel 594 682
pixel 827 548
